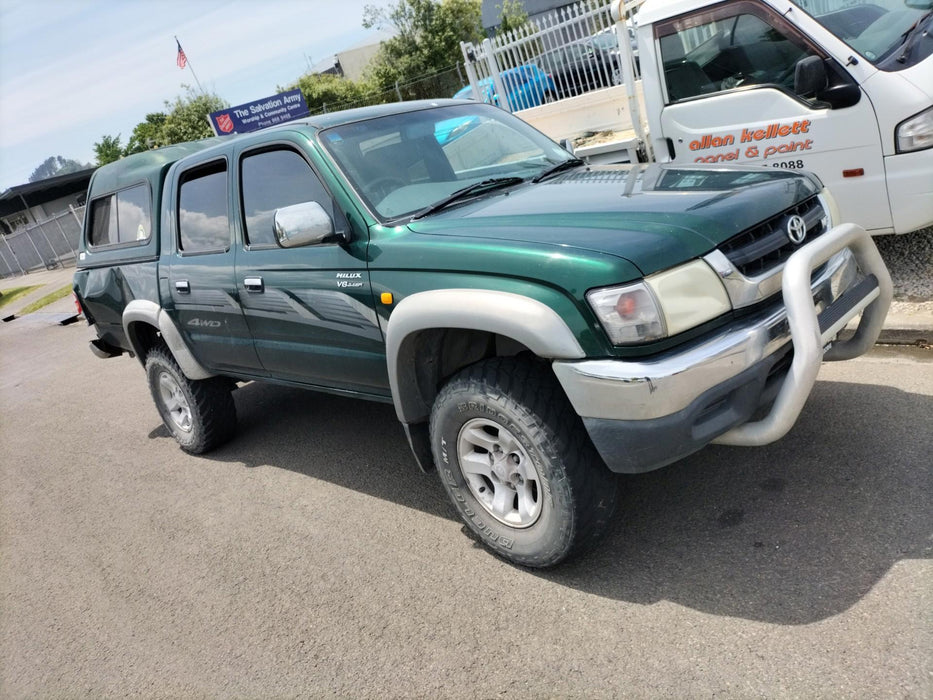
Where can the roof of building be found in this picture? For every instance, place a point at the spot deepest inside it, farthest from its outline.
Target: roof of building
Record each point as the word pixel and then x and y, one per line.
pixel 33 194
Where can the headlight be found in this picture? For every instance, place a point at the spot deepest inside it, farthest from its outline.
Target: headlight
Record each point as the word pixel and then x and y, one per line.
pixel 916 133
pixel 830 209
pixel 661 305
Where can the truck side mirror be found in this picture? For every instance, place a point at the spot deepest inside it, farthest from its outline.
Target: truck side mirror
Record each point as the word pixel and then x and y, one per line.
pixel 826 82
pixel 303 224
pixel 809 76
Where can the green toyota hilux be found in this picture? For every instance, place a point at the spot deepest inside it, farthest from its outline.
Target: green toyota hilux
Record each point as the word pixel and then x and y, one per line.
pixel 538 324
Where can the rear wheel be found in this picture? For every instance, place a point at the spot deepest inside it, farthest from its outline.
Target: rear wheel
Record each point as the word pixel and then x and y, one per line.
pixel 517 463
pixel 200 414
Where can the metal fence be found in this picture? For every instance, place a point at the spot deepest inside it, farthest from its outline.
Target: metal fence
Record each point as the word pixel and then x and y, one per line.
pixel 565 53
pixel 42 246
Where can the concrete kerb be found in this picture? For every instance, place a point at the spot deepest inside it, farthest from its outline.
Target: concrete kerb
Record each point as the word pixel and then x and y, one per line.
pixel 908 322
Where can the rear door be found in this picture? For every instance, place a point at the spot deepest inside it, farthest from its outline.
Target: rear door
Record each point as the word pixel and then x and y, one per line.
pixel 202 288
pixel 729 78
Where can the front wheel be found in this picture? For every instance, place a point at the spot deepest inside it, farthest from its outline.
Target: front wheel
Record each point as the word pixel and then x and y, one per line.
pixel 517 463
pixel 200 414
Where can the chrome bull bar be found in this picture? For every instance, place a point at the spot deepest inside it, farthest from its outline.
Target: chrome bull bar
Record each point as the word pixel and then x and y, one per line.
pixel 813 335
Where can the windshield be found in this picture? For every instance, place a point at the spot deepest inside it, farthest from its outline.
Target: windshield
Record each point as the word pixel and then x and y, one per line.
pixel 878 30
pixel 403 163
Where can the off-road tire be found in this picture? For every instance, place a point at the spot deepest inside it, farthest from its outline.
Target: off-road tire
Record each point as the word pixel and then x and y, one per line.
pixel 576 492
pixel 200 414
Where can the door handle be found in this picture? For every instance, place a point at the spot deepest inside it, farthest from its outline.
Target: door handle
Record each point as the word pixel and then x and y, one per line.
pixel 182 287
pixel 254 284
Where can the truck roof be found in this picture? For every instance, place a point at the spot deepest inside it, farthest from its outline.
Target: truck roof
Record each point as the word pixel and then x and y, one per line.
pixel 153 165
pixel 143 166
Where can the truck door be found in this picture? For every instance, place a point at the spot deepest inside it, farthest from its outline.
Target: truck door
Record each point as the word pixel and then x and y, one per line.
pixel 729 98
pixel 200 277
pixel 310 309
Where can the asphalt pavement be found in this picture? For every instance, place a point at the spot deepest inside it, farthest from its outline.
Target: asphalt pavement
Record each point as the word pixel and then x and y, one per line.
pixel 310 558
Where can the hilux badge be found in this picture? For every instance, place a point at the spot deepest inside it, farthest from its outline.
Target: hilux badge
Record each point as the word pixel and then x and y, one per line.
pixel 796 229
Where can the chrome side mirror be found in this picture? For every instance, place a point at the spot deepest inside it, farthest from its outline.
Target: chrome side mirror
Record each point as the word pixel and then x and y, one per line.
pixel 303 224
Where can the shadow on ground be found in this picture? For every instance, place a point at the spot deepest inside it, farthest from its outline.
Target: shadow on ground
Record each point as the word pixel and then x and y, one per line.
pixel 792 533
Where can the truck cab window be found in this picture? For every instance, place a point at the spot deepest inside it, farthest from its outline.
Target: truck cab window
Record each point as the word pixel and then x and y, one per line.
pixel 271 180
pixel 203 219
pixel 729 47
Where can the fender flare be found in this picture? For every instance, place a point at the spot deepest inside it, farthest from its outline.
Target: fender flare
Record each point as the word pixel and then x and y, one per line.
pixel 527 321
pixel 150 313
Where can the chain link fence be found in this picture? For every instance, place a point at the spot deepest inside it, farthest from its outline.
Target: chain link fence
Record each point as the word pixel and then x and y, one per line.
pixel 45 245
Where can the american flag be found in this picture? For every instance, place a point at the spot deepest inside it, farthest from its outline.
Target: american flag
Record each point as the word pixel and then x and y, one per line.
pixel 181 59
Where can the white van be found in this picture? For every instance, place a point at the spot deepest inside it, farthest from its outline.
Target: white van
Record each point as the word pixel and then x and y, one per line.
pixel 841 88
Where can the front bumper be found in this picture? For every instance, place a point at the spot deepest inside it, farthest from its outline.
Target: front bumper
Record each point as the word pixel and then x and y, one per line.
pixel 645 414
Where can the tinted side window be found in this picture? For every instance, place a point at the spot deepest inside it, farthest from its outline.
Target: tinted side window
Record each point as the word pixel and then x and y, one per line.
pixel 203 219
pixel 272 180
pixel 104 221
pixel 122 217
pixel 133 214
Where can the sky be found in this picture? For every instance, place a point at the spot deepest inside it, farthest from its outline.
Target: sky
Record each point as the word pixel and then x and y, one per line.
pixel 72 71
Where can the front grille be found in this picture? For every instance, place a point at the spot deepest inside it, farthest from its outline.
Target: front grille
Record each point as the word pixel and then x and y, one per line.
pixel 767 245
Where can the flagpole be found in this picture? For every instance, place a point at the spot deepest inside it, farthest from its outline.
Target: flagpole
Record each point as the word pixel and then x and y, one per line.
pixel 188 63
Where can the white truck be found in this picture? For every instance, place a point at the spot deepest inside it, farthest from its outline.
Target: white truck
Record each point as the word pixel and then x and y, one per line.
pixel 842 88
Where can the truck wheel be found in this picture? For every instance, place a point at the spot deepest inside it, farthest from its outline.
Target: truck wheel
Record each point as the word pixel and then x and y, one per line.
pixel 517 463
pixel 200 414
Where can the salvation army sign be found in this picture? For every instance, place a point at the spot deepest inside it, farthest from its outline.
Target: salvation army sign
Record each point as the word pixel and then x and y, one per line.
pixel 259 114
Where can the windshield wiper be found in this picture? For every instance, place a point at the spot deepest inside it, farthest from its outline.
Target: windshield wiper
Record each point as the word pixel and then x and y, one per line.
pixel 560 167
pixel 908 38
pixel 493 183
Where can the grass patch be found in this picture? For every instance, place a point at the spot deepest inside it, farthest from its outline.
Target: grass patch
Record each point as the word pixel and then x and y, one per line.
pixel 13 293
pixel 47 299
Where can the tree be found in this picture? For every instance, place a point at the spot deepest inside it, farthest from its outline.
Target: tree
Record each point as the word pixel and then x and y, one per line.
pixel 108 149
pixel 512 15
pixel 147 134
pixel 187 116
pixel 427 37
pixel 331 92
pixel 56 165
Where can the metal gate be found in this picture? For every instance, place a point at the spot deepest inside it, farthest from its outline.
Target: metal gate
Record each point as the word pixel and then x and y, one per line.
pixel 563 54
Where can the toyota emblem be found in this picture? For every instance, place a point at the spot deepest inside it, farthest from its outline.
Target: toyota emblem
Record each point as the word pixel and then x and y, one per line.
pixel 796 229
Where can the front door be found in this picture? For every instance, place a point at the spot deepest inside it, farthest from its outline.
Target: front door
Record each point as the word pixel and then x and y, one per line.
pixel 729 78
pixel 310 309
